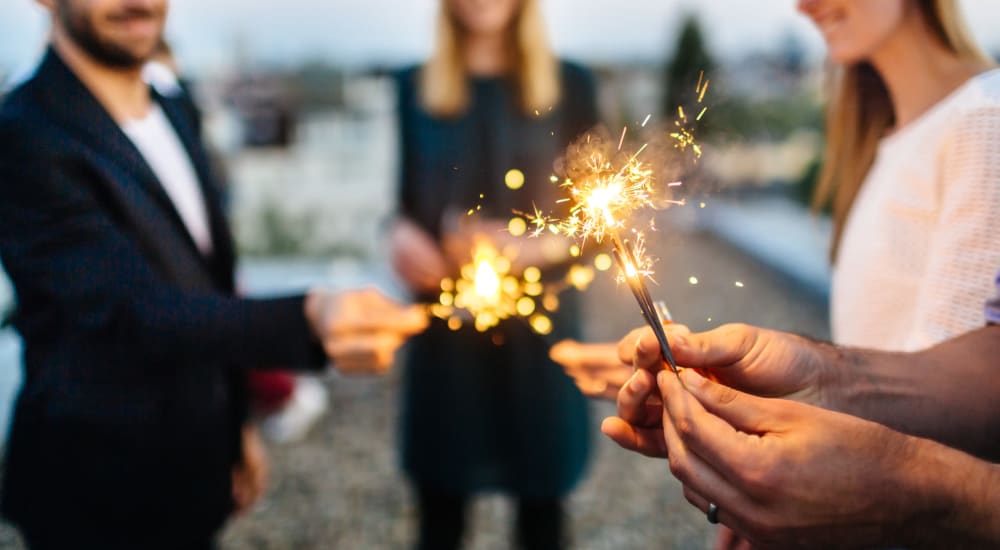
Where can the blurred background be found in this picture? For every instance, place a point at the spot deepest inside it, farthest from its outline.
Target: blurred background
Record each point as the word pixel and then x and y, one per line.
pixel 299 106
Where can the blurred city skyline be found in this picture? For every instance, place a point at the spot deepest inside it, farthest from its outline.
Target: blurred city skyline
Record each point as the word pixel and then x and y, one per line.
pixel 209 36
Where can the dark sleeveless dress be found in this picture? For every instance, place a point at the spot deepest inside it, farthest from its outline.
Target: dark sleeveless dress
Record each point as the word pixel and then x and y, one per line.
pixel 478 416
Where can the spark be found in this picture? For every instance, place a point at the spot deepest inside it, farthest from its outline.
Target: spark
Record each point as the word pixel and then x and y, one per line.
pixel 739 284
pixel 514 179
pixel 701 95
pixel 517 226
pixel 602 262
pixel 693 280
pixel 645 120
pixel 621 141
pixel 541 324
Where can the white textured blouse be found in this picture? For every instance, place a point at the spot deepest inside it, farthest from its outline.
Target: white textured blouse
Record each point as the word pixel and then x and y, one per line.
pixel 921 245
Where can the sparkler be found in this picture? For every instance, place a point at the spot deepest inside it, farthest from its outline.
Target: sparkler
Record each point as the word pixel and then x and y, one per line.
pixel 601 201
pixel 486 292
pixel 603 196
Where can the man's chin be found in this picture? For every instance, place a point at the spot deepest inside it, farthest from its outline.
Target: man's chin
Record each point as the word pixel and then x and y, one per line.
pixel 120 56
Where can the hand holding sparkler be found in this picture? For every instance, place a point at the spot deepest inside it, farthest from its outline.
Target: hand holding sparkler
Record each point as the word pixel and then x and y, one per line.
pixel 360 330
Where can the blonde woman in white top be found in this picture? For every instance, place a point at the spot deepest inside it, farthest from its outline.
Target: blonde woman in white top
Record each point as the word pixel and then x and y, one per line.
pixel 912 166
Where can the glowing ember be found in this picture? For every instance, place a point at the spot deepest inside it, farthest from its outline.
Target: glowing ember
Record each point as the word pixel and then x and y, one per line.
pixel 514 179
pixel 487 283
pixel 487 292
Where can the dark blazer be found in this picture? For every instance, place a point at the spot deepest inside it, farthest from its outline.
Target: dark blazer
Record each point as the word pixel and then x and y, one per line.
pixel 135 346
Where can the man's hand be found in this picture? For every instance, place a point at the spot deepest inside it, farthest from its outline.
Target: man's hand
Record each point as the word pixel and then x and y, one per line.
pixel 361 329
pixel 416 258
pixel 759 361
pixel 250 475
pixel 594 367
pixel 785 474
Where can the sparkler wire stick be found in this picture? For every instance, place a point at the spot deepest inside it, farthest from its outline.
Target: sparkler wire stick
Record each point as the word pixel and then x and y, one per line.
pixel 642 296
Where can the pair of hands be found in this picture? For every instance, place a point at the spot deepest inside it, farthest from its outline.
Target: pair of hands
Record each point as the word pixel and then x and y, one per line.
pixel 758 361
pixel 783 471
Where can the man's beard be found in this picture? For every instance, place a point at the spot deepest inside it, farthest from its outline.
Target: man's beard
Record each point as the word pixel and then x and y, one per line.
pixel 82 32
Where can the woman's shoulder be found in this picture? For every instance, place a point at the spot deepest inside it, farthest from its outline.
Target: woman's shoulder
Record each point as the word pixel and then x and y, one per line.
pixel 975 112
pixel 980 95
pixel 988 84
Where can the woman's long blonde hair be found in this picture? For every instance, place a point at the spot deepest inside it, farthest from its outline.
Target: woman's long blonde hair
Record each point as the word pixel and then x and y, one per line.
pixel 444 86
pixel 860 112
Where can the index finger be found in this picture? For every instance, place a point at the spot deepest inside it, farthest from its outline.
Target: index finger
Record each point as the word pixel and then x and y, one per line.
pixel 397 319
pixel 718 443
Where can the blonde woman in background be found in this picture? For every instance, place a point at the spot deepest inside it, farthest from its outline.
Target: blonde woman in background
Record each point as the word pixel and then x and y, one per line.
pixel 486 412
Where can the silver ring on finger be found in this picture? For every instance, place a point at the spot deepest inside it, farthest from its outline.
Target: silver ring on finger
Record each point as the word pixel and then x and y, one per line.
pixel 713 513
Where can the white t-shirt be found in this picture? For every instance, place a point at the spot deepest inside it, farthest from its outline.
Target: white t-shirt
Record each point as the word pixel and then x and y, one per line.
pixel 158 142
pixel 921 246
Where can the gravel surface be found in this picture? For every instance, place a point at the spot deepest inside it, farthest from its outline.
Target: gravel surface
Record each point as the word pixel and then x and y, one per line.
pixel 341 488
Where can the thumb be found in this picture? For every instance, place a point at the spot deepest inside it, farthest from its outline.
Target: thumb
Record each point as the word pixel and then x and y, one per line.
pixel 747 413
pixel 721 347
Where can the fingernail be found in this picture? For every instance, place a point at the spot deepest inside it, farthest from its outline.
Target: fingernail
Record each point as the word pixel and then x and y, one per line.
pixel 692 378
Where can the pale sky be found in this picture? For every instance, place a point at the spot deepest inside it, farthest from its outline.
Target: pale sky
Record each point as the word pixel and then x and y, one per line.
pixel 359 32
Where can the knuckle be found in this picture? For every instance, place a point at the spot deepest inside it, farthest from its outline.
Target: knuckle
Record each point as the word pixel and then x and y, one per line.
pixel 686 427
pixel 678 467
pixel 724 394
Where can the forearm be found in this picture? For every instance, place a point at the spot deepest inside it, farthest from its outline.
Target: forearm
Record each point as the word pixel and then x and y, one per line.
pixel 179 328
pixel 948 393
pixel 956 499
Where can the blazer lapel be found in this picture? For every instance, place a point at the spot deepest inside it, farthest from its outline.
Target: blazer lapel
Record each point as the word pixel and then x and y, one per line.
pixel 73 104
pixel 223 248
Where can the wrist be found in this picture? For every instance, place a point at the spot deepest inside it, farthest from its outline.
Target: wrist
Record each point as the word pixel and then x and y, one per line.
pixel 834 375
pixel 313 305
pixel 824 372
pixel 953 498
